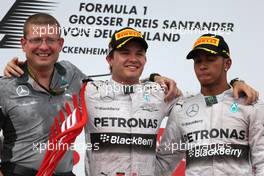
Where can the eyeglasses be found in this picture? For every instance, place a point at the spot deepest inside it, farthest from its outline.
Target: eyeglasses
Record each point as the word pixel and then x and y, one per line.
pixel 39 41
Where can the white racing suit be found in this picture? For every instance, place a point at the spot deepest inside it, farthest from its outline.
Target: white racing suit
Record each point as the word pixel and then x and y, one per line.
pixel 122 128
pixel 225 138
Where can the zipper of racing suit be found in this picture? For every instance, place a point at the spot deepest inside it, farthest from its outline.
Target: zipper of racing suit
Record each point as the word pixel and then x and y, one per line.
pixel 131 130
pixel 211 121
pixel 214 108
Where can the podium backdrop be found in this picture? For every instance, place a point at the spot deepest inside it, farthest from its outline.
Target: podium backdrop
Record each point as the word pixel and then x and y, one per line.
pixel 170 27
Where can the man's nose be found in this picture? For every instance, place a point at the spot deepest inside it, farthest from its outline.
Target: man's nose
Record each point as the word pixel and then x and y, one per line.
pixel 44 45
pixel 203 66
pixel 133 57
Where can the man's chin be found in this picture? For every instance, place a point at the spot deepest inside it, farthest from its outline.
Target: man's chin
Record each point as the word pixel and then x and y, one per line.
pixel 44 63
pixel 205 82
pixel 132 78
pixel 133 74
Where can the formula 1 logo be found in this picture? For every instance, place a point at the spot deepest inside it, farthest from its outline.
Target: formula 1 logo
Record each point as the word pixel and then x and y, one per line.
pixel 11 25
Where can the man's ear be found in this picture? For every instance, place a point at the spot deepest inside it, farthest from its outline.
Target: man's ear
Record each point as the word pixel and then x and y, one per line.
pixel 61 42
pixel 227 64
pixel 109 59
pixel 23 42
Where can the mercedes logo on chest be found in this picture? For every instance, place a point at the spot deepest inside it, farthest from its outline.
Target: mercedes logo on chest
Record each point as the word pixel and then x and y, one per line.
pixel 22 90
pixel 192 110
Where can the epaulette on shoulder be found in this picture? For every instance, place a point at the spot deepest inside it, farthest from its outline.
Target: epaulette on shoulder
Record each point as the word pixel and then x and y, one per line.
pixel 151 85
pixel 98 83
pixel 88 79
pixel 188 95
pixel 180 101
pixel 5 81
pixel 7 78
pixel 147 83
pixel 153 88
pixel 94 84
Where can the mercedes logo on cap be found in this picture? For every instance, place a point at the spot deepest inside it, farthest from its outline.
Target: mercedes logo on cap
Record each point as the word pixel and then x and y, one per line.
pixel 192 110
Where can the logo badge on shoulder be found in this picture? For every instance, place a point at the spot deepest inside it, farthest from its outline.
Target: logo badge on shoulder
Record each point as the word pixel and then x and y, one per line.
pixel 22 90
pixel 64 83
pixel 146 97
pixel 234 107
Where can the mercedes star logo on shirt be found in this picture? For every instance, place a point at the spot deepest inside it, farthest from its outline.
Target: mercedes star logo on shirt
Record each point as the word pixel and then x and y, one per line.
pixel 22 90
pixel 192 110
